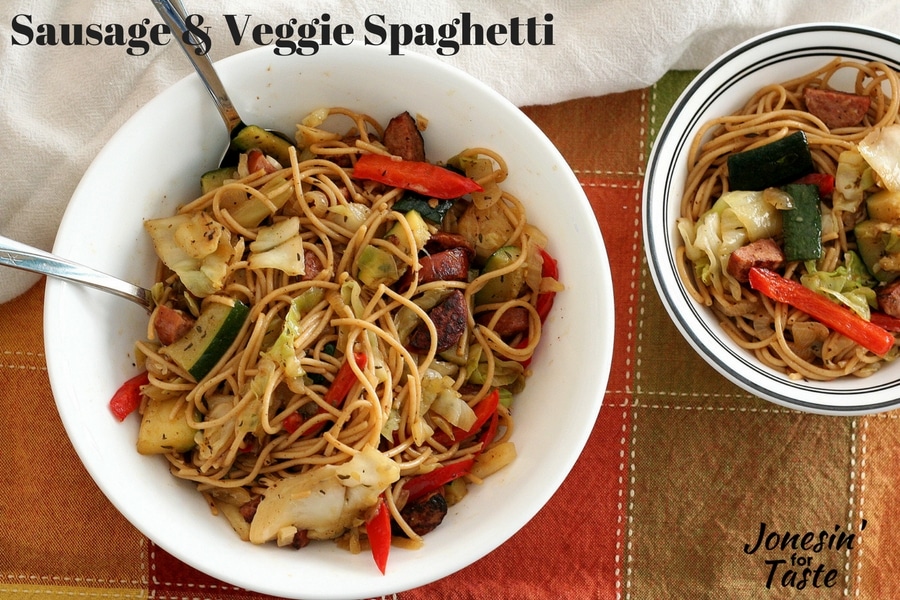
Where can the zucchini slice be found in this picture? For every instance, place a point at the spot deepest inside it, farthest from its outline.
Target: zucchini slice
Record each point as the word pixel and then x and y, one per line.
pixel 203 346
pixel 253 136
pixel 802 224
pixel 772 165
pixel 160 433
pixel 506 287
pixel 214 179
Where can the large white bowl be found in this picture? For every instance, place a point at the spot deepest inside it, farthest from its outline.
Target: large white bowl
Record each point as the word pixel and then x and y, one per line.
pixel 153 163
pixel 720 89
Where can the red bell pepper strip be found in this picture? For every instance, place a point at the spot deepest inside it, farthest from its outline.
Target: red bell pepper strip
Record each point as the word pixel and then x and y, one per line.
pixel 378 528
pixel 490 432
pixel 344 380
pixel 885 321
pixel 422 177
pixel 550 268
pixel 545 300
pixel 822 309
pixel 341 385
pixel 483 412
pixel 422 485
pixel 292 422
pixel 128 397
pixel 825 182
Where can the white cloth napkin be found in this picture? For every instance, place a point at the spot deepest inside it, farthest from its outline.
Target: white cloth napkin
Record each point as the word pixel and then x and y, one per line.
pixel 59 105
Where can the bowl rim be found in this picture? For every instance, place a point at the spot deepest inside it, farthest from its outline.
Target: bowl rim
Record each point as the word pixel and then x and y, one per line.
pixel 692 320
pixel 419 573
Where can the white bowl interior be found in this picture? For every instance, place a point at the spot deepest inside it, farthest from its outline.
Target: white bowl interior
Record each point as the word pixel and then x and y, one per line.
pixel 720 89
pixel 153 163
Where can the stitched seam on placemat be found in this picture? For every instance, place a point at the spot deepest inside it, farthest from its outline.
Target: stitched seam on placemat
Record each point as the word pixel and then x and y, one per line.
pixel 620 505
pixel 176 588
pixel 861 439
pixel 602 173
pixel 66 580
pixel 638 287
pixel 10 355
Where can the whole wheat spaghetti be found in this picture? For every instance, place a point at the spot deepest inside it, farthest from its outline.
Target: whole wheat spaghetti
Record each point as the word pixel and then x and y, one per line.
pixel 373 337
pixel 780 336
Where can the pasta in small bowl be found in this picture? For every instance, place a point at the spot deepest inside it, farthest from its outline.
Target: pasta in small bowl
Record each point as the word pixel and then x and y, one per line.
pixel 769 212
pixel 355 336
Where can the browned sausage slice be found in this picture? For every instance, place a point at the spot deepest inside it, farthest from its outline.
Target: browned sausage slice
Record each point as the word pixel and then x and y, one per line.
pixel 171 324
pixel 449 265
pixel 836 109
pixel 403 138
pixel 513 321
pixel 889 299
pixel 449 318
pixel 763 253
pixel 425 514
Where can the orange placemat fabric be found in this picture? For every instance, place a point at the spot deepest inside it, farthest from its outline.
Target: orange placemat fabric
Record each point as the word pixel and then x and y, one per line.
pixel 681 474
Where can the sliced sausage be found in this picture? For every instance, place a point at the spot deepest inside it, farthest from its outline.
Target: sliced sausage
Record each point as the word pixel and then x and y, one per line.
pixel 449 318
pixel 836 109
pixel 763 253
pixel 312 266
pixel 403 138
pixel 424 514
pixel 444 240
pixel 512 322
pixel 301 539
pixel 171 324
pixel 248 509
pixel 449 265
pixel 889 299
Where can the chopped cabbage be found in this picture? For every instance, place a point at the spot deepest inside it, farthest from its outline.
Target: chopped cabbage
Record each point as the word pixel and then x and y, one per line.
pixel 350 216
pixel 881 149
pixel 196 247
pixel 282 351
pixel 326 500
pixel 849 284
pixel 737 217
pixel 851 179
pixel 279 246
pixel 439 396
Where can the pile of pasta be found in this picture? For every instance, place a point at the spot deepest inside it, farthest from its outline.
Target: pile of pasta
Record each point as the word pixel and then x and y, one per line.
pixel 359 378
pixel 779 334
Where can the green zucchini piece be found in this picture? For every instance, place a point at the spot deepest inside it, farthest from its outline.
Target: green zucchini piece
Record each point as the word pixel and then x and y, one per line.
pixel 884 206
pixel 203 346
pixel 772 165
pixel 431 209
pixel 416 224
pixel 802 224
pixel 506 287
pixel 376 266
pixel 251 211
pixel 161 434
pixel 878 244
pixel 253 136
pixel 214 179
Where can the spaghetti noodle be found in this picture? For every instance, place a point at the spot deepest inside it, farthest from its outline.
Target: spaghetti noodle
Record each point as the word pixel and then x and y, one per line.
pixel 354 379
pixel 780 336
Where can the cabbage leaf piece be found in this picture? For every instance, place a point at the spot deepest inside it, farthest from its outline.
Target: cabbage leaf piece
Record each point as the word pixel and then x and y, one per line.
pixel 196 247
pixel 881 150
pixel 326 500
pixel 849 284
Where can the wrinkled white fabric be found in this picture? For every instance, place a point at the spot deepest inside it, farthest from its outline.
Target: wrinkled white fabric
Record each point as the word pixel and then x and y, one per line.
pixel 59 105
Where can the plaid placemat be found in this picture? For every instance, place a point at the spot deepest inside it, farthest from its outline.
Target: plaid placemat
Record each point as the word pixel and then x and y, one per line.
pixel 688 487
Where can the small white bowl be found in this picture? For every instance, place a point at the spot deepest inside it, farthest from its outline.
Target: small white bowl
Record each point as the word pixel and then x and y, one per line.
pixel 720 89
pixel 153 163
